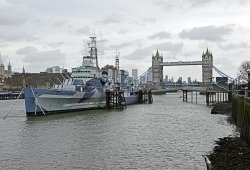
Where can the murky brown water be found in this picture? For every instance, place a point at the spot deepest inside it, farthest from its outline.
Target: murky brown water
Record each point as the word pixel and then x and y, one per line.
pixel 168 134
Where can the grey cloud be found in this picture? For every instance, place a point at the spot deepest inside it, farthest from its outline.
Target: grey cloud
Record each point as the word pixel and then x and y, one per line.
pixel 123 31
pixel 122 45
pixel 141 53
pixel 113 18
pixel 26 50
pixel 126 44
pixel 232 46
pixel 150 20
pixel 160 35
pixel 169 4
pixel 60 23
pixel 209 33
pixel 83 30
pixel 39 60
pixel 13 15
pixel 13 34
pixel 48 5
pixel 166 4
pixel 4 45
pixel 55 44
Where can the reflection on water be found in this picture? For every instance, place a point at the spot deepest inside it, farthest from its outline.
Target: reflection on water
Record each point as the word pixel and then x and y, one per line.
pixel 168 134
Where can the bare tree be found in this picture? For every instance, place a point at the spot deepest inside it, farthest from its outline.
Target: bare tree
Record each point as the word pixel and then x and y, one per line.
pixel 242 74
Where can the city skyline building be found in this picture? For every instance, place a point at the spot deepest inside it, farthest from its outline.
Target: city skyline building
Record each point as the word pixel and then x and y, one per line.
pixel 54 69
pixel 135 73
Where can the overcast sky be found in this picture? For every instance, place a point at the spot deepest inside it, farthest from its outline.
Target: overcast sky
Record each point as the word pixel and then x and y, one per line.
pixel 38 34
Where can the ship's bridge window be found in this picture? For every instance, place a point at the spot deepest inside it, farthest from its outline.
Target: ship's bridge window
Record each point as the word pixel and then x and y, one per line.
pixel 78 82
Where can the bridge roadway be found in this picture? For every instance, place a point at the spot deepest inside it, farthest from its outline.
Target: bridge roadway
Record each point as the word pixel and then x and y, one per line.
pixel 213 87
pixel 181 63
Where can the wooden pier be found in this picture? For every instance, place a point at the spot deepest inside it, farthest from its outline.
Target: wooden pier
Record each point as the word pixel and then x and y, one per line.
pixel 115 100
pixel 215 93
pixel 145 97
pixel 218 97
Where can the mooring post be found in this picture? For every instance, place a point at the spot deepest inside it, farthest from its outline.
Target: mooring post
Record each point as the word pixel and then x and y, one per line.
pixel 230 93
pixel 196 96
pixel 192 96
pixel 207 98
pixel 140 96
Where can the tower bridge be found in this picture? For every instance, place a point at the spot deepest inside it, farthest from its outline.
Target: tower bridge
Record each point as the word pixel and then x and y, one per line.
pixel 154 74
pixel 206 62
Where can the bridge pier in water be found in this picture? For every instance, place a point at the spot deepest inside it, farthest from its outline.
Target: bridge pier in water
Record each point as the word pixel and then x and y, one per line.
pixel 185 95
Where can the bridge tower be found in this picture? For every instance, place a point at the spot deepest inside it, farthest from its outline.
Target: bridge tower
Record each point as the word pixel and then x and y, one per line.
pixel 157 69
pixel 207 67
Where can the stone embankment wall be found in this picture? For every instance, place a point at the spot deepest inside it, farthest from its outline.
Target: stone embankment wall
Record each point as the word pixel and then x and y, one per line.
pixel 241 115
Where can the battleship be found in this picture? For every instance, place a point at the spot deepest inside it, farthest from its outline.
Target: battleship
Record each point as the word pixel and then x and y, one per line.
pixel 84 89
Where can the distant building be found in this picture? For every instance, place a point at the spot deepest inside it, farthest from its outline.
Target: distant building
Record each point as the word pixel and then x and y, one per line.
pixel 172 79
pixel 135 73
pixel 189 80
pixel 55 69
pixel 179 80
pixel 122 77
pixel 166 78
pixel 4 73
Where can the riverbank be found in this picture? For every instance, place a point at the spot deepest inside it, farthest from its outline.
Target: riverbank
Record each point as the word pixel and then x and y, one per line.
pixel 230 152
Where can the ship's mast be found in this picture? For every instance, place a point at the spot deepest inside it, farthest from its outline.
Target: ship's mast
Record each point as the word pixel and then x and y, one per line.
pixel 93 51
pixel 117 53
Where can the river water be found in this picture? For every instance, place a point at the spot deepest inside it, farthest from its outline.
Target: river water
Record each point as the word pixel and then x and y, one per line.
pixel 168 134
